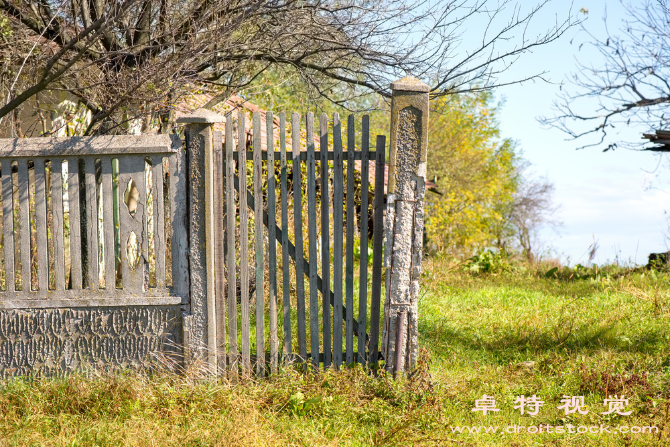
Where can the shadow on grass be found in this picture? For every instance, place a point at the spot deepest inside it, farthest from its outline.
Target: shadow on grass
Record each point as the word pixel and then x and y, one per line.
pixel 504 345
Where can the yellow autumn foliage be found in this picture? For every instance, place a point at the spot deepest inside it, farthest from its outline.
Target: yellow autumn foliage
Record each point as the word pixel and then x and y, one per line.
pixel 474 170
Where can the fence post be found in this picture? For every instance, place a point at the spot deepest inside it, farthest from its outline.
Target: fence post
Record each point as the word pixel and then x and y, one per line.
pixel 201 317
pixel 404 222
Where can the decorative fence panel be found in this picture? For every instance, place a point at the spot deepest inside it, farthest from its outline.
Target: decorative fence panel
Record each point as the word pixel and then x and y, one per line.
pixel 85 279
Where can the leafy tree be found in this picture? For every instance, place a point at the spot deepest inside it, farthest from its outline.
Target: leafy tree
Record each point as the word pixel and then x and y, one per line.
pixel 485 196
pixel 474 172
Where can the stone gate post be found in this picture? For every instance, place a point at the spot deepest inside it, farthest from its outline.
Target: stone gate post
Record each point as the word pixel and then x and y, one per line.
pixel 200 164
pixel 404 222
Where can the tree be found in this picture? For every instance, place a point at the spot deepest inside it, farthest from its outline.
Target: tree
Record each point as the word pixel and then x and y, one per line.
pixel 531 208
pixel 486 195
pixel 474 172
pixel 123 59
pixel 631 84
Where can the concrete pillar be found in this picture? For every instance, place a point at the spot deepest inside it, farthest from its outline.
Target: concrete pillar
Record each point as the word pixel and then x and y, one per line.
pixel 404 222
pixel 200 196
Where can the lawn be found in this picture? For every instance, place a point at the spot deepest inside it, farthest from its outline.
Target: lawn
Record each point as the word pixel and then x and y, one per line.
pixel 594 333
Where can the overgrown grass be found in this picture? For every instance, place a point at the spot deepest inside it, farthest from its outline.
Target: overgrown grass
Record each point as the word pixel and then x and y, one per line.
pixel 507 334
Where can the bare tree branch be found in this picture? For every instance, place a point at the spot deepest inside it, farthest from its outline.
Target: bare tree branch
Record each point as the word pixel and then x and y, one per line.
pixel 629 83
pixel 147 51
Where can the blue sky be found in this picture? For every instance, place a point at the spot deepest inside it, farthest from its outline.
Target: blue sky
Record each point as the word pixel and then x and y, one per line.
pixel 614 197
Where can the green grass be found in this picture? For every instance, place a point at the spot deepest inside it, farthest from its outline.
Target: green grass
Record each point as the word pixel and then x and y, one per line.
pixel 505 335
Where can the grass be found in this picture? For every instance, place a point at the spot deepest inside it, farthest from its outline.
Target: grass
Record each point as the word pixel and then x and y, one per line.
pixel 513 333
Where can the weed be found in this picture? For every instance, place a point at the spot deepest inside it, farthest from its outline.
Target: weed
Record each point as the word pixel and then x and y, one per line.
pixel 608 384
pixel 488 261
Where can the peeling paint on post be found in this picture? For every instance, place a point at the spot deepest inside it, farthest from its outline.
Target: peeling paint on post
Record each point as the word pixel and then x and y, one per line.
pixel 200 152
pixel 404 221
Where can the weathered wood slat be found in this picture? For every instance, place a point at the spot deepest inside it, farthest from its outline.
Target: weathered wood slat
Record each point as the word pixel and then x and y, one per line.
pixel 8 223
pixel 297 222
pixel 159 219
pixel 57 210
pixel 325 241
pixel 107 223
pixel 272 246
pixel 91 225
pixel 377 248
pixel 286 290
pixel 178 216
pixel 258 234
pixel 244 248
pixel 351 220
pixel 312 247
pixel 24 225
pixel 41 225
pixel 132 168
pixel 363 283
pixel 305 264
pixel 230 238
pixel 219 254
pixel 75 223
pixel 338 193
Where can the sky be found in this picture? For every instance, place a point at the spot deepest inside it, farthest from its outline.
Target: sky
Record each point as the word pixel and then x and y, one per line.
pixel 617 198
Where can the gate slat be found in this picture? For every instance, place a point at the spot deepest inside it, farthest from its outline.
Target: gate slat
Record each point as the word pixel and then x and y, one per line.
pixel 297 222
pixel 8 222
pixel 272 244
pixel 230 239
pixel 377 248
pixel 75 225
pixel 24 225
pixel 41 217
pixel 325 241
pixel 219 254
pixel 311 212
pixel 337 241
pixel 57 210
pixel 351 218
pixel 305 269
pixel 91 224
pixel 159 219
pixel 258 233
pixel 108 223
pixel 363 283
pixel 286 291
pixel 244 246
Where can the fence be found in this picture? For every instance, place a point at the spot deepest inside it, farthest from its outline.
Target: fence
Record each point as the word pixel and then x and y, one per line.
pixel 119 248
pixel 67 297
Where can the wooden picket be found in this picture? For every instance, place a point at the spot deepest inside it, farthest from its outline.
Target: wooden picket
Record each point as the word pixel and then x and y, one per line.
pixel 332 320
